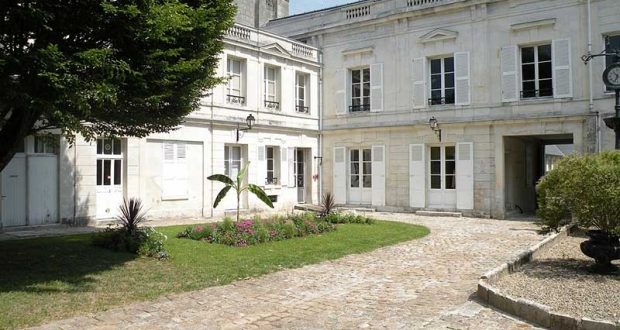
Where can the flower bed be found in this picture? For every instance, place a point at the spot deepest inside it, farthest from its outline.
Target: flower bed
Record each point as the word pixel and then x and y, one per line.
pixel 277 228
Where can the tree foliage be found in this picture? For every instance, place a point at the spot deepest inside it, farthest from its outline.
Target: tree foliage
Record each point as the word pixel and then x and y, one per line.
pixel 105 67
pixel 584 187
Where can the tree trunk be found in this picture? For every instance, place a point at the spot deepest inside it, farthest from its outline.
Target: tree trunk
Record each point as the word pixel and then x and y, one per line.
pixel 12 133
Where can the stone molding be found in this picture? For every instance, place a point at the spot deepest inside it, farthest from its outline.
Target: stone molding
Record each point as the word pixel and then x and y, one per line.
pixel 530 310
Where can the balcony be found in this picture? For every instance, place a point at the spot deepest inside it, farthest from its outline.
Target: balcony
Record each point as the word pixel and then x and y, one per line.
pixel 302 109
pixel 254 37
pixel 271 181
pixel 441 100
pixel 359 108
pixel 235 99
pixel 536 93
pixel 272 105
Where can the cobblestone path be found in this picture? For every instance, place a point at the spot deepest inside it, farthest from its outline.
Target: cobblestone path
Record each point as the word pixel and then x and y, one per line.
pixel 422 284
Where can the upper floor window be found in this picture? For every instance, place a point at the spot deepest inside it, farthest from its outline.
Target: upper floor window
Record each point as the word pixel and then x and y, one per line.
pixel 234 92
pixel 272 100
pixel 612 43
pixel 301 93
pixel 536 71
pixel 360 90
pixel 442 81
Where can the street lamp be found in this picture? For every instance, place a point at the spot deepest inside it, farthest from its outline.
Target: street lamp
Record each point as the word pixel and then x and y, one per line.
pixel 434 125
pixel 249 121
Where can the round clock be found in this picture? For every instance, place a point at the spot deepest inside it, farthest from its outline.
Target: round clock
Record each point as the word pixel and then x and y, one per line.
pixel 611 76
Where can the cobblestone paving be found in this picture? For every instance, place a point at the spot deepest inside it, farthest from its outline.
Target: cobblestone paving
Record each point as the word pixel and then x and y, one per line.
pixel 427 283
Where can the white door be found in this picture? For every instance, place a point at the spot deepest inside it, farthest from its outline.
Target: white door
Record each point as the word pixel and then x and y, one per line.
pixel 13 192
pixel 360 176
pixel 417 176
pixel 109 177
pixel 300 175
pixel 42 189
pixel 339 179
pixel 442 177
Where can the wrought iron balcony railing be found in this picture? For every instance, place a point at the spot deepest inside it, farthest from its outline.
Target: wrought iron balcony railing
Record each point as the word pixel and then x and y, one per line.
pixel 302 109
pixel 441 100
pixel 271 181
pixel 235 99
pixel 272 105
pixel 359 108
pixel 534 93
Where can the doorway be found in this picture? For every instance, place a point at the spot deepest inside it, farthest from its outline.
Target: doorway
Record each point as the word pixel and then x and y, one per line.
pixel 300 174
pixel 109 177
pixel 442 177
pixel 360 176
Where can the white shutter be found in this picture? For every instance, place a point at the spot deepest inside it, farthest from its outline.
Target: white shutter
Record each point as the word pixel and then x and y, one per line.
pixel 419 83
pixel 562 75
pixel 465 176
pixel 461 79
pixel 378 175
pixel 283 166
pixel 292 180
pixel 339 182
pixel 261 166
pixel 417 176
pixel 376 87
pixel 174 170
pixel 509 67
pixel 341 95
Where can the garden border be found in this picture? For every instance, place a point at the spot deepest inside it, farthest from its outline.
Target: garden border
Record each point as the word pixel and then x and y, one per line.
pixel 530 310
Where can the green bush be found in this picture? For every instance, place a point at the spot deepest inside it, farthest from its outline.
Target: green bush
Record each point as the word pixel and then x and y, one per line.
pixel 584 187
pixel 144 241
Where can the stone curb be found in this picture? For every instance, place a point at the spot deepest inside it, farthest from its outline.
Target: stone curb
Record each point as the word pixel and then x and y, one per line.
pixel 529 310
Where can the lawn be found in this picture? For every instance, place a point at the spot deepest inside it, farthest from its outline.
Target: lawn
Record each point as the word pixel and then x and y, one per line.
pixel 53 278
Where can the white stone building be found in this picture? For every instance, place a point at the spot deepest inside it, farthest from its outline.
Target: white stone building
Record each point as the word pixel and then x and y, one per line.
pixel 502 78
pixel 274 79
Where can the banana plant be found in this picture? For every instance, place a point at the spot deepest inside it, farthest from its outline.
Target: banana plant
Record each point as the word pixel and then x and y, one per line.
pixel 239 188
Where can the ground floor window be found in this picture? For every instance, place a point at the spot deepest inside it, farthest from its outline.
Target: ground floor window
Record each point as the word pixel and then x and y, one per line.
pixel 109 162
pixel 272 165
pixel 232 161
pixel 360 168
pixel 443 167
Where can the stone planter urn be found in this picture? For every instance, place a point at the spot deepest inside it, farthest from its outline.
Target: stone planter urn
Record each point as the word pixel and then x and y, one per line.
pixel 603 248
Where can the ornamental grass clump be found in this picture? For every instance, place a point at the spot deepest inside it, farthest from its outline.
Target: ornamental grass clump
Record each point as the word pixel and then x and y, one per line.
pixel 255 231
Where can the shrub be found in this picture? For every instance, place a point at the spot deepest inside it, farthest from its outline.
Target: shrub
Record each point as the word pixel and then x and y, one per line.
pixel 586 187
pixel 131 215
pixel 327 203
pixel 152 244
pixel 200 232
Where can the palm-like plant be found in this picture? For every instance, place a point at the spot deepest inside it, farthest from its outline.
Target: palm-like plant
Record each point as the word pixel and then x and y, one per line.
pixel 239 188
pixel 131 215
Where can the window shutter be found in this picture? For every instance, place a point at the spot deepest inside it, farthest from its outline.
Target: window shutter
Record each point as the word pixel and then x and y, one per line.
pixel 261 166
pixel 465 176
pixel 462 79
pixel 376 87
pixel 562 75
pixel 292 180
pixel 378 175
pixel 283 166
pixel 419 83
pixel 509 67
pixel 174 170
pixel 417 176
pixel 341 95
pixel 339 182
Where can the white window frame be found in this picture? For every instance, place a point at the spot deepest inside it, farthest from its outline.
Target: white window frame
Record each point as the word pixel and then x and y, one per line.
pixel 302 104
pixel 443 73
pixel 361 172
pixel 233 95
pixel 275 168
pixel 272 101
pixel 229 160
pixel 363 107
pixel 442 167
pixel 113 158
pixel 536 71
pixel 45 144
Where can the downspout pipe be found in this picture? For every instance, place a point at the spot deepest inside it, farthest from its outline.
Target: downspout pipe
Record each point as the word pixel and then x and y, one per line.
pixel 590 82
pixel 321 106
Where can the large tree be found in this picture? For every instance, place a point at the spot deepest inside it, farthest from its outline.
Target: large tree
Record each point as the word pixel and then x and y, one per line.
pixel 105 67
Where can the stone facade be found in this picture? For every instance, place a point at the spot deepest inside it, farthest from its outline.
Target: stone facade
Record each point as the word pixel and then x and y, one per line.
pixel 257 13
pixel 402 38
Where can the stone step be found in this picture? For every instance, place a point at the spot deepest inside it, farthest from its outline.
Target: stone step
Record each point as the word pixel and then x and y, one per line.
pixel 308 207
pixel 356 209
pixel 426 213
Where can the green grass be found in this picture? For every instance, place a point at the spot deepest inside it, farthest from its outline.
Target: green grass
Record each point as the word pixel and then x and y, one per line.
pixel 52 278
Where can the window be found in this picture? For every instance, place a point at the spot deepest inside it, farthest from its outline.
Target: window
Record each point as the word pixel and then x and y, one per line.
pixel 234 92
pixel 360 90
pixel 443 167
pixel 361 169
pixel 232 161
pixel 109 162
pixel 46 144
pixel 271 88
pixel 174 170
pixel 442 81
pixel 301 93
pixel 612 43
pixel 272 165
pixel 536 68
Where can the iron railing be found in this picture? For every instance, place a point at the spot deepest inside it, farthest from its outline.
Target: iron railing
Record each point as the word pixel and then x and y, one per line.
pixel 359 107
pixel 235 99
pixel 533 93
pixel 272 105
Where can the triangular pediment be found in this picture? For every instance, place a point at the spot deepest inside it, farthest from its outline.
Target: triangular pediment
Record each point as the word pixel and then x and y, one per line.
pixel 275 48
pixel 437 35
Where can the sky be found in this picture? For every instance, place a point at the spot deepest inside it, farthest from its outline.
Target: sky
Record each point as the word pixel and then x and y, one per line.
pixel 302 6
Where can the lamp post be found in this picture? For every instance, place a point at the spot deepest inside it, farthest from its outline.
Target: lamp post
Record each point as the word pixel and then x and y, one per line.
pixel 249 121
pixel 434 125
